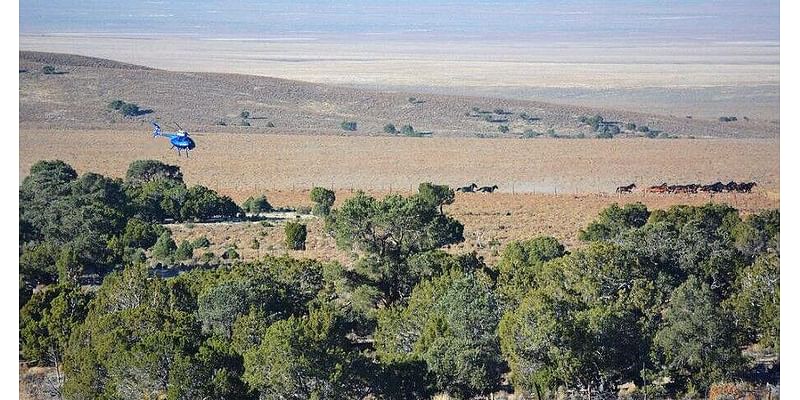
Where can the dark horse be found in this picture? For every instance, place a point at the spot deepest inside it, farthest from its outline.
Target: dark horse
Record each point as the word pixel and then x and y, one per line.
pixel 713 188
pixel 626 189
pixel 467 189
pixel 745 187
pixel 488 189
pixel 662 188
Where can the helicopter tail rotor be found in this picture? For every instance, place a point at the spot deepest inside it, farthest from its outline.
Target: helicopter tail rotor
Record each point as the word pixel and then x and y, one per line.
pixel 156 129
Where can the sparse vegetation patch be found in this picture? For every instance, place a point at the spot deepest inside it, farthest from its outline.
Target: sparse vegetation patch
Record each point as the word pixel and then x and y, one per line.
pixel 127 109
pixel 349 125
pixel 49 70
pixel 390 129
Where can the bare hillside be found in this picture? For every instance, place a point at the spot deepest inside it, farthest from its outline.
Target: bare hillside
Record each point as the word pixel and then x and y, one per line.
pixel 77 97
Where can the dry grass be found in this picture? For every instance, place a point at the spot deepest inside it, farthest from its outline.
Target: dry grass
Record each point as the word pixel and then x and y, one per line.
pixel 270 237
pixel 285 167
pixel 243 165
pixel 490 221
pixel 35 383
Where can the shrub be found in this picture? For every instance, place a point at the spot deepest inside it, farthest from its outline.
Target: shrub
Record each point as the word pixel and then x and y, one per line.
pixel 244 123
pixel 256 205
pixel 230 254
pixel 594 122
pixel 68 266
pixel 295 235
pixel 138 233
pixel 201 242
pixel 255 244
pixel 530 133
pixel 604 135
pixel 270 125
pixel 630 126
pixel 184 251
pixel 129 109
pixel 493 119
pixel 407 130
pixel 48 70
pixel 615 220
pixel 143 171
pixel 203 203
pixel 727 119
pixel 643 128
pixel 244 114
pixel 323 201
pixel 116 104
pixel 165 246
pixel 438 195
pixel 349 125
pixel 37 264
pixel 503 128
pixel 607 131
pixel 390 129
pixel 208 257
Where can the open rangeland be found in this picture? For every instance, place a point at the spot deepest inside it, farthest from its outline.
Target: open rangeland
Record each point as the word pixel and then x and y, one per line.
pixel 78 97
pixel 490 221
pixel 546 186
pixel 682 78
pixel 241 165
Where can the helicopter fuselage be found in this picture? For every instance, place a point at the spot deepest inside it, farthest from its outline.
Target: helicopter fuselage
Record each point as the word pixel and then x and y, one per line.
pixel 182 141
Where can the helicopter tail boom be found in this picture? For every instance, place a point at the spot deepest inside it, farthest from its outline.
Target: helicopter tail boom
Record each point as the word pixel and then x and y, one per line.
pixel 156 129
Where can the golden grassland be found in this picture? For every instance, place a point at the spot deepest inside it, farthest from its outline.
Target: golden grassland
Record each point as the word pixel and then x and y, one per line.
pixel 490 221
pixel 547 186
pixel 240 165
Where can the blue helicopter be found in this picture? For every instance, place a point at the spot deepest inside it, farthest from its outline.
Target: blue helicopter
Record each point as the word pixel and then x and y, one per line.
pixel 180 139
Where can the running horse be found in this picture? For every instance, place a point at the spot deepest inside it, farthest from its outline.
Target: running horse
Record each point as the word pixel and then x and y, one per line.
pixel 745 187
pixel 662 188
pixel 626 189
pixel 467 189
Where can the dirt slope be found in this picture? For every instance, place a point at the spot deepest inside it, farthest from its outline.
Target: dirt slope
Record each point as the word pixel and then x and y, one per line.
pixel 77 98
